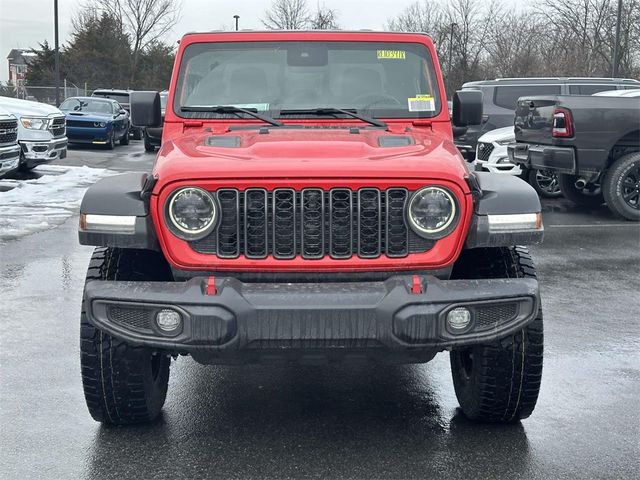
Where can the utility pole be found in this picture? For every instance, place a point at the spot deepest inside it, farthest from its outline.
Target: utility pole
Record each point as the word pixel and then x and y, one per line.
pixel 453 26
pixel 237 17
pixel 616 48
pixel 57 50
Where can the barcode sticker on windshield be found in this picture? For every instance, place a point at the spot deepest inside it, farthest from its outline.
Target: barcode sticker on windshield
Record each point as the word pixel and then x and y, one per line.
pixel 422 103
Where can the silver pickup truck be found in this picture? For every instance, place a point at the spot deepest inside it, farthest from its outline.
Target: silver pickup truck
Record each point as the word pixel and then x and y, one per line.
pixel 9 148
pixel 41 131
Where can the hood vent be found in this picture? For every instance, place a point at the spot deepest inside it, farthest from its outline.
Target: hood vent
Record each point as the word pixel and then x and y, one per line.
pixel 223 141
pixel 388 141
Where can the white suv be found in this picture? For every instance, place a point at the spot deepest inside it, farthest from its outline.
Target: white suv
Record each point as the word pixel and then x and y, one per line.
pixel 491 155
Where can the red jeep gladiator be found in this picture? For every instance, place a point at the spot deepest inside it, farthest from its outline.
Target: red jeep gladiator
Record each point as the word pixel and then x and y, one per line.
pixel 308 205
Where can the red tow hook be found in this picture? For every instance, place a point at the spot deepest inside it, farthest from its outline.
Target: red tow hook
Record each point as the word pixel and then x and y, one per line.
pixel 211 286
pixel 416 288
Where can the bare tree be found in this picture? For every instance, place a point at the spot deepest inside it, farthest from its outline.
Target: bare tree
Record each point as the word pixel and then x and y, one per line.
pixel 145 21
pixel 286 15
pixel 324 19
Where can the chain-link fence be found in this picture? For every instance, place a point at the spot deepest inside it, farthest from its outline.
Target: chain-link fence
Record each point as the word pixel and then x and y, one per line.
pixel 47 94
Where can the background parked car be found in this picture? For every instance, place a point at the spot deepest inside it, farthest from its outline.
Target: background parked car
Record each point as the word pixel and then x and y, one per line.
pixel 96 121
pixel 153 135
pixel 501 95
pixel 492 156
pixel 41 131
pixel 123 98
pixel 9 148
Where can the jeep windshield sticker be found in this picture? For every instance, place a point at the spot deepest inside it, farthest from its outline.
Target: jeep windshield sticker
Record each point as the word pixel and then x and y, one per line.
pixel 261 107
pixel 422 103
pixel 392 55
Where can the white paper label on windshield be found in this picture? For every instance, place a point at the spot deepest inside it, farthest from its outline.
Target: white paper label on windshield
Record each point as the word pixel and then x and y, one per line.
pixel 422 103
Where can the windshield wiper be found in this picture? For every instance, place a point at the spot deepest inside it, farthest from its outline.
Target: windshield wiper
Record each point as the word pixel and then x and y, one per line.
pixel 253 112
pixel 334 111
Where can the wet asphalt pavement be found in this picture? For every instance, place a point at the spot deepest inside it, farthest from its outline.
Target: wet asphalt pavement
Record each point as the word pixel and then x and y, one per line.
pixel 329 422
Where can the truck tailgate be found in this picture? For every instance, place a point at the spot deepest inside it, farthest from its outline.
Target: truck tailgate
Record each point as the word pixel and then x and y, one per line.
pixel 534 119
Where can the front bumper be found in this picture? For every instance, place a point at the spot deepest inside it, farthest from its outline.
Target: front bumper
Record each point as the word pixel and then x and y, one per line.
pixel 88 135
pixel 9 159
pixel 234 322
pixel 543 157
pixel 38 152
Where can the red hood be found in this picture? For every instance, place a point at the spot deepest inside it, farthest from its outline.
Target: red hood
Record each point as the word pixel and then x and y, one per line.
pixel 309 153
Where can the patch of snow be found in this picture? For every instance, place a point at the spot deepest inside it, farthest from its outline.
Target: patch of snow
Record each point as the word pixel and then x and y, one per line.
pixel 42 203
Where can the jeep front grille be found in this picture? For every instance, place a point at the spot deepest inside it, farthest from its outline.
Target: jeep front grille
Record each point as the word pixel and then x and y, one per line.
pixel 312 223
pixel 8 131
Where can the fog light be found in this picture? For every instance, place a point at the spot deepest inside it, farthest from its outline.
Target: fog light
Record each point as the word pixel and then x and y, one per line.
pixel 459 318
pixel 168 320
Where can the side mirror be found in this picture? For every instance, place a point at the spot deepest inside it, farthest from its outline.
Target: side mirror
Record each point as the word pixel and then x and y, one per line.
pixel 467 108
pixel 145 109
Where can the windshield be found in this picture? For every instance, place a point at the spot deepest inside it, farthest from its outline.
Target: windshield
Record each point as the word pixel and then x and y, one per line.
pixel 119 97
pixel 86 105
pixel 390 80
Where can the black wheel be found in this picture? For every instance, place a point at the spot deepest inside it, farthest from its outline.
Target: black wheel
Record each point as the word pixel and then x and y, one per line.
pixel 499 382
pixel 122 383
pixel 545 182
pixel 589 196
pixel 137 133
pixel 148 146
pixel 125 138
pixel 111 141
pixel 621 186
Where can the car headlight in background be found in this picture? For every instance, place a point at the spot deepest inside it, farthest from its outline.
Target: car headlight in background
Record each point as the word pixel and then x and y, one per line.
pixel 433 212
pixel 35 123
pixel 99 124
pixel 191 213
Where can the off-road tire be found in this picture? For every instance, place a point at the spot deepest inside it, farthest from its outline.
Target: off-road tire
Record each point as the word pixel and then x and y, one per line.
pixel 591 196
pixel 533 180
pixel 122 383
pixel 499 382
pixel 125 138
pixel 613 186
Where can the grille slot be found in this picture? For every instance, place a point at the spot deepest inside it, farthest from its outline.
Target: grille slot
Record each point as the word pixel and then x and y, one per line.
pixel 312 223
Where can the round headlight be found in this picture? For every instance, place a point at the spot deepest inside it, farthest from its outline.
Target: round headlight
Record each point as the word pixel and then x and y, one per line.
pixel 432 212
pixel 192 213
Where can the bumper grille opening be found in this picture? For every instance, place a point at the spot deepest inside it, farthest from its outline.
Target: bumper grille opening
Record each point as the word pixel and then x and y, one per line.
pixel 490 316
pixel 312 223
pixel 131 317
pixel 484 150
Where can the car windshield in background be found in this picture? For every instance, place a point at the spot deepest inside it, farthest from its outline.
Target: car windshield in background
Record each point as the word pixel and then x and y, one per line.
pixel 391 80
pixel 86 105
pixel 119 97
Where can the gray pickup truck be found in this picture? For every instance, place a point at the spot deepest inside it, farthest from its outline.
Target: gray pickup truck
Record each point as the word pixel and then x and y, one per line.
pixel 593 142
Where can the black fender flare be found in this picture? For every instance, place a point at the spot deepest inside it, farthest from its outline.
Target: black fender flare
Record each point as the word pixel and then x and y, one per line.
pixel 124 195
pixel 501 194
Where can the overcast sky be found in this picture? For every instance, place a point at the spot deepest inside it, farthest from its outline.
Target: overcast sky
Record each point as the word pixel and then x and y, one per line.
pixel 24 23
